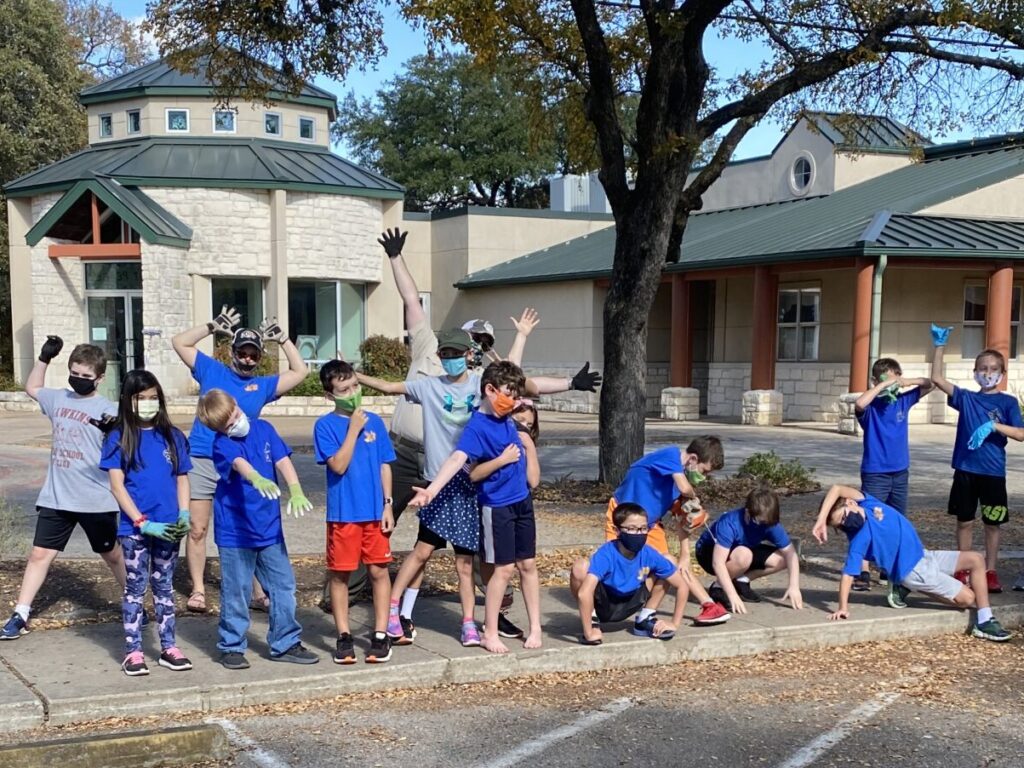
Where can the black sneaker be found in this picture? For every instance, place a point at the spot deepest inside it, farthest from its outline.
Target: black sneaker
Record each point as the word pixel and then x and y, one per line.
pixel 862 583
pixel 746 592
pixel 506 628
pixel 380 648
pixel 344 650
pixel 297 654
pixel 883 576
pixel 408 631
pixel 134 665
pixel 234 660
pixel 716 593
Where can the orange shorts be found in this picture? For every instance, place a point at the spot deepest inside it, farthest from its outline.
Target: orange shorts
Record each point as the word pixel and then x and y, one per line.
pixel 348 544
pixel 655 537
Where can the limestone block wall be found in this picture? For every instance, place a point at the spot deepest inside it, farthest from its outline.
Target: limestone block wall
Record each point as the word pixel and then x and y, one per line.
pixel 811 391
pixel 334 237
pixel 726 384
pixel 166 311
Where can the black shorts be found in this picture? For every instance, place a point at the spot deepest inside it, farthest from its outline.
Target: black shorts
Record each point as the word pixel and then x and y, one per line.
pixel 971 489
pixel 611 608
pixel 427 536
pixel 759 562
pixel 406 471
pixel 55 526
pixel 509 533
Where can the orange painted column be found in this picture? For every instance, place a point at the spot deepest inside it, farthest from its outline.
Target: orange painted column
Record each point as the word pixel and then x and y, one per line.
pixel 681 342
pixel 860 345
pixel 998 312
pixel 762 353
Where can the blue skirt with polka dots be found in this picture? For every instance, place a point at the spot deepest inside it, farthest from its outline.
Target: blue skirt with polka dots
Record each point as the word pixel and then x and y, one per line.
pixel 454 514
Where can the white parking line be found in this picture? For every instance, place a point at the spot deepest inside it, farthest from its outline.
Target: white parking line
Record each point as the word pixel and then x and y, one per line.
pixel 843 728
pixel 536 746
pixel 262 757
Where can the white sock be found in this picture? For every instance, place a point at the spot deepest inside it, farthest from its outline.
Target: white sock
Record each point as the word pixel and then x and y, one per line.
pixel 408 602
pixel 743 578
pixel 23 610
pixel 644 613
pixel 984 614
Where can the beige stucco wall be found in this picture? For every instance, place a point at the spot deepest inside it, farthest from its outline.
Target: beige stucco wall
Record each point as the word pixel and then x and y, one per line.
pixel 852 169
pixel 19 221
pixel 248 123
pixel 1003 199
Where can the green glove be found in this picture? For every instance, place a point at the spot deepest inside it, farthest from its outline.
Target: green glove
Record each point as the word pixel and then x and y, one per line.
pixel 267 488
pixel 298 504
pixel 159 531
pixel 183 524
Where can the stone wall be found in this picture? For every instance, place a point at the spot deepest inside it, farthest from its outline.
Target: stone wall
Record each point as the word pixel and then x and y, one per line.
pixel 166 311
pixel 334 237
pixel 811 391
pixel 726 384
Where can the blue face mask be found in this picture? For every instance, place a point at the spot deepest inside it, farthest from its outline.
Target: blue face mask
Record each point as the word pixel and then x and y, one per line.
pixel 852 522
pixel 454 366
pixel 632 542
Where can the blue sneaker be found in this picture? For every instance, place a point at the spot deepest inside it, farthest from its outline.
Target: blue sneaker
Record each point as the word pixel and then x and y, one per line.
pixel 645 628
pixel 14 628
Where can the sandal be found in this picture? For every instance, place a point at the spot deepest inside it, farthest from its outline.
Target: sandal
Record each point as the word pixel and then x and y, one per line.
pixel 261 604
pixel 197 602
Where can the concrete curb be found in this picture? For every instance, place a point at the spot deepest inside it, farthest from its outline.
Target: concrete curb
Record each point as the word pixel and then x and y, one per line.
pixel 166 746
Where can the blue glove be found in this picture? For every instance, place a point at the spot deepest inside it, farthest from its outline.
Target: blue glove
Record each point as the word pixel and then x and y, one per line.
pixel 980 434
pixel 184 519
pixel 159 531
pixel 940 335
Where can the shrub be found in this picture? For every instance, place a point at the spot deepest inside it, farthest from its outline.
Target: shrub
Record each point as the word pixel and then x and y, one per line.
pixel 384 358
pixel 771 470
pixel 9 384
pixel 310 387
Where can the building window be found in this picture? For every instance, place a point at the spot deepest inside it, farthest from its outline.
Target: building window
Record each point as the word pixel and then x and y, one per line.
pixel 801 174
pixel 975 305
pixel 106 126
pixel 134 120
pixel 113 276
pixel 799 322
pixel 325 317
pixel 272 123
pixel 307 129
pixel 244 294
pixel 224 120
pixel 177 120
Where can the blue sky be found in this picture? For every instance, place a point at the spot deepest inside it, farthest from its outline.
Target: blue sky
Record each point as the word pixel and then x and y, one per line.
pixel 404 42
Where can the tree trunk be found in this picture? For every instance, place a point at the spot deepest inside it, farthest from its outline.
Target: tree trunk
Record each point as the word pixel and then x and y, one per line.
pixel 641 242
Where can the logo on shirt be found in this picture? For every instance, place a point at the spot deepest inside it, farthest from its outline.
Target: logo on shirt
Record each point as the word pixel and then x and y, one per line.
pixel 995 416
pixel 458 413
pixel 254 387
pixel 878 513
pixel 641 575
pixel 266 452
pixel 369 436
pixel 167 455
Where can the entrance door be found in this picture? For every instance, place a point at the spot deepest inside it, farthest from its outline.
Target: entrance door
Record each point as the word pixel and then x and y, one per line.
pixel 115 325
pixel 702 327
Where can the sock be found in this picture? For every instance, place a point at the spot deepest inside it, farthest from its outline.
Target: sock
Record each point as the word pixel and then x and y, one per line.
pixel 23 610
pixel 984 614
pixel 393 605
pixel 743 579
pixel 408 602
pixel 468 620
pixel 644 613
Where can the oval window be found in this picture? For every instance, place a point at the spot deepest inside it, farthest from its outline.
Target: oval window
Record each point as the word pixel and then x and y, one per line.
pixel 802 175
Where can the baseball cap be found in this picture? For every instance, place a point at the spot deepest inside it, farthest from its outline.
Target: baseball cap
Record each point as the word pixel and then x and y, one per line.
pixel 479 326
pixel 453 338
pixel 246 337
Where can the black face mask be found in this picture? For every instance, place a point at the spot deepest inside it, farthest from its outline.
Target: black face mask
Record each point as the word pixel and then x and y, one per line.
pixel 244 368
pixel 632 542
pixel 81 385
pixel 852 523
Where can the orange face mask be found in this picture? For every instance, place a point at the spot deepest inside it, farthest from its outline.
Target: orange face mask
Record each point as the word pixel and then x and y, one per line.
pixel 503 404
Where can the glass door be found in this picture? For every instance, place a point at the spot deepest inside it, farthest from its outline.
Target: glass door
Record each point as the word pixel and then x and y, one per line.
pixel 115 326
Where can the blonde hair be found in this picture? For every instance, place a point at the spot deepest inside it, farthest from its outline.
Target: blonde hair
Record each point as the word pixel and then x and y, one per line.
pixel 215 410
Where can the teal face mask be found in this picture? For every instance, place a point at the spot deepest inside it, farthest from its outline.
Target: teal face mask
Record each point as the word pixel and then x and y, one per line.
pixel 454 366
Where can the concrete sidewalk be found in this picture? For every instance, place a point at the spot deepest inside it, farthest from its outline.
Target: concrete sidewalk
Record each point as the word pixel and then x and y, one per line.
pixel 72 675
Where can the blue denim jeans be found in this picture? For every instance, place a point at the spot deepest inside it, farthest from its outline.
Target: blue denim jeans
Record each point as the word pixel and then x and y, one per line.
pixel 888 487
pixel 270 565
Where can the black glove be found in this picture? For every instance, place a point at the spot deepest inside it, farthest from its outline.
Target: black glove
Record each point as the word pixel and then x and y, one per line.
pixel 104 424
pixel 585 380
pixel 51 348
pixel 393 241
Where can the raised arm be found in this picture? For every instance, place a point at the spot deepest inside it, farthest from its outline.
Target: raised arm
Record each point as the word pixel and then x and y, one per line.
pixel 185 342
pixel 524 325
pixel 37 376
pixel 868 396
pixel 297 371
pixel 939 337
pixel 820 529
pixel 393 241
pixel 381 385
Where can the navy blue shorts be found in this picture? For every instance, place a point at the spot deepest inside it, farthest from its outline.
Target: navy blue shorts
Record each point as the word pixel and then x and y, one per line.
pixel 508 533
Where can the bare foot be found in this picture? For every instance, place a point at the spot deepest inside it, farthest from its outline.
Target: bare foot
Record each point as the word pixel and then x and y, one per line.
pixel 532 640
pixel 493 644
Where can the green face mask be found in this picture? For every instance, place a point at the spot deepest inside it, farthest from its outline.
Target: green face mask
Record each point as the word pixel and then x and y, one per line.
pixel 349 403
pixel 890 393
pixel 695 477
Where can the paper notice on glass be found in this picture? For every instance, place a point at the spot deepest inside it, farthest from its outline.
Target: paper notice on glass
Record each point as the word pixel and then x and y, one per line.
pixel 99 334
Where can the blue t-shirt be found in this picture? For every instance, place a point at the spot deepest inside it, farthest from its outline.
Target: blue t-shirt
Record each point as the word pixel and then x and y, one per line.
pixel 887 539
pixel 622 576
pixel 153 484
pixel 358 495
pixel 976 409
pixel 483 439
pixel 648 482
pixel 241 517
pixel 735 529
pixel 251 394
pixel 886 437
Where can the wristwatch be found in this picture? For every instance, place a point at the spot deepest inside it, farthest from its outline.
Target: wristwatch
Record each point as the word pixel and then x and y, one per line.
pixel 388 501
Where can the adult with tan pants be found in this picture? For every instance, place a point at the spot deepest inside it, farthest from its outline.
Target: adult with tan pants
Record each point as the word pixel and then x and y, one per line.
pixel 252 392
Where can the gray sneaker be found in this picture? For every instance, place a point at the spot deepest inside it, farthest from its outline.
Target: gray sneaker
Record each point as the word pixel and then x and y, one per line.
pixel 897 597
pixel 1018 585
pixel 297 654
pixel 234 660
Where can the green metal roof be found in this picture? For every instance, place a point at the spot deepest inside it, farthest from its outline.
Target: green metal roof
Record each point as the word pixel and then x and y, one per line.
pixel 210 162
pixel 154 223
pixel 865 131
pixel 160 79
pixel 845 223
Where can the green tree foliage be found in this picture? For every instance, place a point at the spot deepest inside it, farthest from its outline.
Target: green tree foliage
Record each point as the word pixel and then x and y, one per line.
pixel 454 133
pixel 933 62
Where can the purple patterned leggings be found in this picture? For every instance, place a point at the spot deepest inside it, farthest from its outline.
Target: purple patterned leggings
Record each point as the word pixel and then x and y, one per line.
pixel 148 559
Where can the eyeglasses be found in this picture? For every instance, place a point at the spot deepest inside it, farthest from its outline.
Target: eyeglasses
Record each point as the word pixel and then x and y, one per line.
pixel 634 529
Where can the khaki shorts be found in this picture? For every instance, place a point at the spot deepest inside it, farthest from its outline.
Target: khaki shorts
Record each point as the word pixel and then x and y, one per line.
pixel 933 575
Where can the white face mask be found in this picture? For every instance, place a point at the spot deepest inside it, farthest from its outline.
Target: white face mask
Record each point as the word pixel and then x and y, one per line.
pixel 147 410
pixel 240 428
pixel 988 380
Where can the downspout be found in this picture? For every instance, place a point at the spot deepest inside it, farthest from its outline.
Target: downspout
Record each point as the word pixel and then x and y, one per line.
pixel 876 308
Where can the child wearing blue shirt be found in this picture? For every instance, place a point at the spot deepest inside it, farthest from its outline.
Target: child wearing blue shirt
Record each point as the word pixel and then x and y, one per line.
pixel 979 475
pixel 883 412
pixel 147 460
pixel 353 445
pixel 615 582
pixel 878 532
pixel 733 550
pixel 247 529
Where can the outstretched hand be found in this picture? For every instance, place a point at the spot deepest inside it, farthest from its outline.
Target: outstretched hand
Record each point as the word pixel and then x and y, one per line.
pixel 271 331
pixel 940 335
pixel 585 379
pixel 393 241
pixel 527 321
pixel 225 322
pixel 51 348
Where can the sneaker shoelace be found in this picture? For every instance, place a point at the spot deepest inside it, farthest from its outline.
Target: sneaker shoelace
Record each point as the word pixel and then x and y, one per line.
pixel 135 657
pixel 175 653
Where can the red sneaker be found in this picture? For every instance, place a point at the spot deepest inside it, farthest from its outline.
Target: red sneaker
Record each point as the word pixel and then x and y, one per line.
pixel 994 587
pixel 711 613
pixel 963 576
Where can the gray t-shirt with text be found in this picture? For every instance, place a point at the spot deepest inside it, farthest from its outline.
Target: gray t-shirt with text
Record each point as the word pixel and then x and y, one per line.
pixel 447 407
